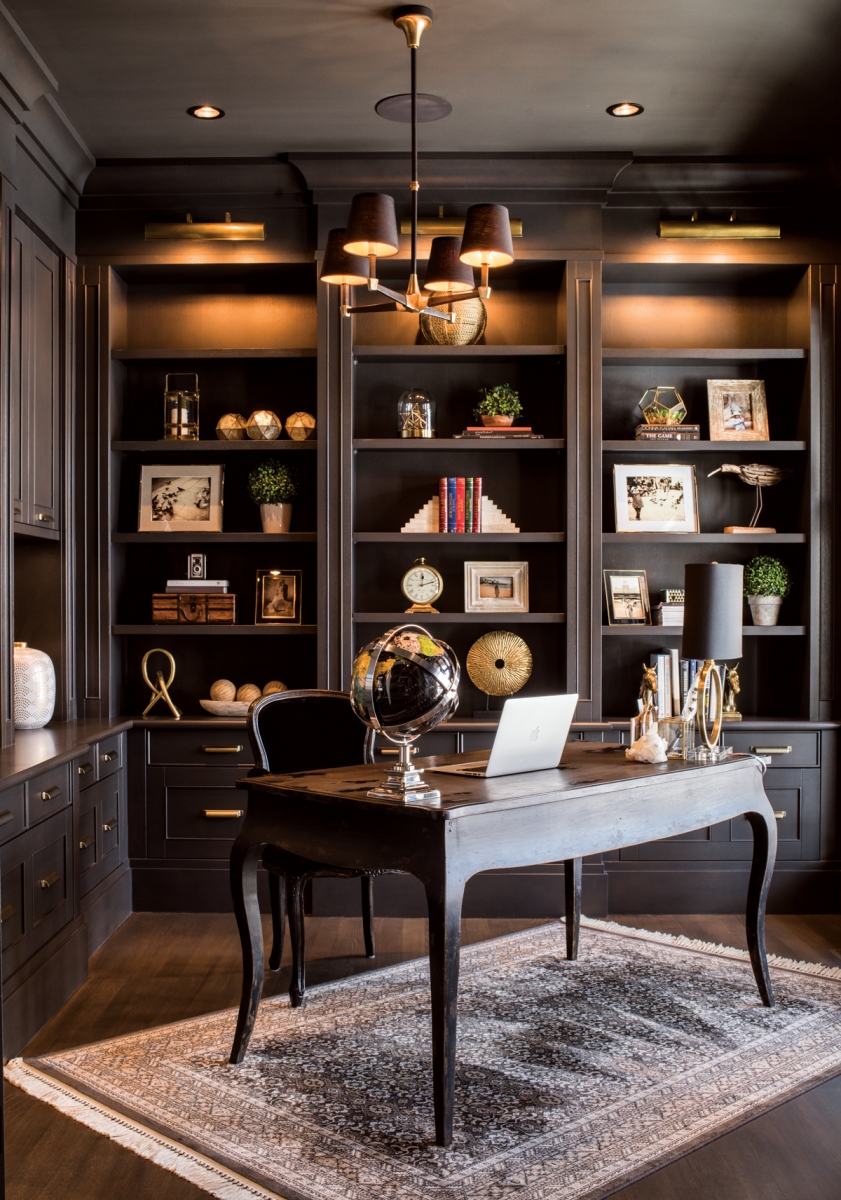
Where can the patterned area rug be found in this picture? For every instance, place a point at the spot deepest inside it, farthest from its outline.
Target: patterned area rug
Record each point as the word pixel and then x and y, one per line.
pixel 573 1078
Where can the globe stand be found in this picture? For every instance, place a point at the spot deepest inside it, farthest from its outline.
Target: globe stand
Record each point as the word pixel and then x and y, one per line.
pixel 404 781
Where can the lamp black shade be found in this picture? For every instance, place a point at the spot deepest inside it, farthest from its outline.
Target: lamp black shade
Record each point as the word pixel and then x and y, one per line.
pixel 372 225
pixel 445 271
pixel 712 611
pixel 487 236
pixel 338 266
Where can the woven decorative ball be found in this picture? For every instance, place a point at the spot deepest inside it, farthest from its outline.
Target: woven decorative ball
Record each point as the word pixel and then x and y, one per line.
pixel 263 426
pixel 273 686
pixel 231 428
pixel 223 689
pixel 300 426
pixel 248 692
pixel 499 663
pixel 466 330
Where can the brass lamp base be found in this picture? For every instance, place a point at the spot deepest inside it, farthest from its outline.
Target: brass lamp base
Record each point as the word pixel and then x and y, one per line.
pixel 709 749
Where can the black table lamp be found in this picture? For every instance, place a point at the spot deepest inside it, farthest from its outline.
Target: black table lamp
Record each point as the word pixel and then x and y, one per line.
pixel 712 629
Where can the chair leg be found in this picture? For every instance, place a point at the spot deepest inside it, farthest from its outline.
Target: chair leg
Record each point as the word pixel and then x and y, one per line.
pixel 277 896
pixel 368 915
pixel 295 906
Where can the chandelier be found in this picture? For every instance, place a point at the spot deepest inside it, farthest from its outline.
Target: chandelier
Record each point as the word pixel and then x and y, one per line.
pixel 350 257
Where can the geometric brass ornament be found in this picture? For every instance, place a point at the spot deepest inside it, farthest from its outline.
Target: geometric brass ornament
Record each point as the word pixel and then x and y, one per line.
pixel 300 426
pixel 263 426
pixel 160 692
pixel 499 663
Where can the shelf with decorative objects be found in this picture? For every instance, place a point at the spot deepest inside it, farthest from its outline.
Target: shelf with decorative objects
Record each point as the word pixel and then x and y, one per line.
pixel 421 353
pixel 206 446
pixel 436 445
pixel 699 354
pixel 217 538
pixel 462 618
pixel 185 630
pixel 712 539
pixel 180 353
pixel 633 446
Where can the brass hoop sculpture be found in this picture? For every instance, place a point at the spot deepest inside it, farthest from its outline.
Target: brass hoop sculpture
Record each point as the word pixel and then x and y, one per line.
pixel 499 663
pixel 160 689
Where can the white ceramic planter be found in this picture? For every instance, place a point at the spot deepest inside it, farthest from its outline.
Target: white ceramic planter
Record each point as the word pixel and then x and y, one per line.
pixel 34 687
pixel 765 610
pixel 276 518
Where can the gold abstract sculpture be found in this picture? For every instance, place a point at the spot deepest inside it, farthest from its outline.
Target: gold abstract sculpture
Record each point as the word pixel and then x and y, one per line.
pixel 758 475
pixel 466 329
pixel 732 688
pixel 499 663
pixel 300 426
pixel 160 688
pixel 263 426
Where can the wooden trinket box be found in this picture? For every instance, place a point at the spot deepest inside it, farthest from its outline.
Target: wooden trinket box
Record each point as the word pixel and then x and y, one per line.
pixel 194 608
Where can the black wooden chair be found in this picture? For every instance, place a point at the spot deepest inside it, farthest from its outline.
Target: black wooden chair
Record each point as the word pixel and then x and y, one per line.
pixel 306 731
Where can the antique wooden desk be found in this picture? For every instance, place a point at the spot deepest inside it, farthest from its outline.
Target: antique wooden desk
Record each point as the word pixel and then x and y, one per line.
pixel 595 802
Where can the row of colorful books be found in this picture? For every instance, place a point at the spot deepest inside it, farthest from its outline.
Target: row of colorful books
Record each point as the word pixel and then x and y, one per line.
pixel 675 676
pixel 460 504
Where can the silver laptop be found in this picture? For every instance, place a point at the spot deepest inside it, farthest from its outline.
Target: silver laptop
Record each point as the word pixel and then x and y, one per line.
pixel 531 737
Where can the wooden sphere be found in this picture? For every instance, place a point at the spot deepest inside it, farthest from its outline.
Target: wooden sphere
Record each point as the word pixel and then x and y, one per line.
pixel 223 689
pixel 300 426
pixel 248 692
pixel 273 686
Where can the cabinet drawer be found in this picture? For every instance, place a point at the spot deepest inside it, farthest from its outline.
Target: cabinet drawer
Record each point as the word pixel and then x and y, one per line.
pixel 48 793
pixel 109 755
pixel 11 905
pixel 208 748
pixel 37 878
pixel 85 769
pixel 101 832
pixel 192 811
pixel 12 813
pixel 795 749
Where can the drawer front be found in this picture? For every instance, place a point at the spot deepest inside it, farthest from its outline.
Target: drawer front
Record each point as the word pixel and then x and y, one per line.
pixel 48 793
pixel 49 879
pixel 85 769
pixel 794 749
pixel 37 867
pixel 12 812
pixel 109 755
pixel 101 830
pixel 11 905
pixel 86 840
pixel 210 748
pixel 192 811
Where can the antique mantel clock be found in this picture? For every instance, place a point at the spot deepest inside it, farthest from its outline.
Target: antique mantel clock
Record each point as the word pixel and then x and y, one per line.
pixel 422 585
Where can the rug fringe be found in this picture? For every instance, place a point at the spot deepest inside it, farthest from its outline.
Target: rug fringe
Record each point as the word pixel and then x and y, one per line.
pixel 162 1151
pixel 684 943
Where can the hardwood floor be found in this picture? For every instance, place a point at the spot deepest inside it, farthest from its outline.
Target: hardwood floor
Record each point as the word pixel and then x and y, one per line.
pixel 159 968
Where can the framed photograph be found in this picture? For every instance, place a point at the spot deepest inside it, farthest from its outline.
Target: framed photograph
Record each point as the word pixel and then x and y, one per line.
pixel 626 593
pixel 278 598
pixel 655 499
pixel 496 587
pixel 738 412
pixel 180 499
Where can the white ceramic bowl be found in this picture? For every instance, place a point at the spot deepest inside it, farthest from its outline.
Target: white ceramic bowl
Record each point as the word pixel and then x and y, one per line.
pixel 226 708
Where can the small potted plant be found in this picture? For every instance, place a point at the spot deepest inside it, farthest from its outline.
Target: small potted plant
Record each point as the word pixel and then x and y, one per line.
pixel 767 583
pixel 272 486
pixel 498 406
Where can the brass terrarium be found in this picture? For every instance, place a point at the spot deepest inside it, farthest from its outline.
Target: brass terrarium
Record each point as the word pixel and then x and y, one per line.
pixel 663 406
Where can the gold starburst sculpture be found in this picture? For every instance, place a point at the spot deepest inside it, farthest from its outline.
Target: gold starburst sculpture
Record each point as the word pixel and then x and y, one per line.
pixel 499 663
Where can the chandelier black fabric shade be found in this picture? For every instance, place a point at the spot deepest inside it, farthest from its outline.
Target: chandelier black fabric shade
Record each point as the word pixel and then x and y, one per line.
pixel 445 271
pixel 340 267
pixel 372 225
pixel 487 236
pixel 712 611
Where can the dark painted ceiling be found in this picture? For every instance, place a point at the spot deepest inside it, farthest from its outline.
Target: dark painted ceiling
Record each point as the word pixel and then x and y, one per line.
pixel 715 76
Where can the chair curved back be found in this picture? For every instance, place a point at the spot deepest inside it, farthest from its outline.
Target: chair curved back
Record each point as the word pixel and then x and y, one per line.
pixel 307 730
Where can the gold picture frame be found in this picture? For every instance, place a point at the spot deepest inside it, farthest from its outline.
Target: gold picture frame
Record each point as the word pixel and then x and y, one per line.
pixel 626 595
pixel 278 600
pixel 738 410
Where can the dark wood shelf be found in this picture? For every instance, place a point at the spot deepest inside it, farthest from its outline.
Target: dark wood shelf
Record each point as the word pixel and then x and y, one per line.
pixel 214 537
pixel 459 443
pixel 677 630
pixel 667 447
pixel 462 537
pixel 495 618
pixel 443 353
pixel 41 534
pixel 215 630
pixel 179 352
pixel 614 354
pixel 177 447
pixel 713 539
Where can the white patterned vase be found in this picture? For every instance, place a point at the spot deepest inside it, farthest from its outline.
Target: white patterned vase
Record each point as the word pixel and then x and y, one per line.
pixel 34 687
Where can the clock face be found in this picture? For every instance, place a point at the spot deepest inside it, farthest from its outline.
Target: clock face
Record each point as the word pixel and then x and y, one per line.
pixel 422 584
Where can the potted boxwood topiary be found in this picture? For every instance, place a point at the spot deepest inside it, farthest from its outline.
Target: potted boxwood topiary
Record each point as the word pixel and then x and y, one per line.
pixel 272 485
pixel 767 583
pixel 498 405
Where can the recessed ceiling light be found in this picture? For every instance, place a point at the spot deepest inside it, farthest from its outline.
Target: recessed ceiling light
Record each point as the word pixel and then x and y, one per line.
pixel 206 112
pixel 626 109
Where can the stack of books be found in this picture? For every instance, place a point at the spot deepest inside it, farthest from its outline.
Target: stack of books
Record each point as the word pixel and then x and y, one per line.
pixel 460 504
pixel 668 614
pixel 499 431
pixel 675 676
pixel 668 433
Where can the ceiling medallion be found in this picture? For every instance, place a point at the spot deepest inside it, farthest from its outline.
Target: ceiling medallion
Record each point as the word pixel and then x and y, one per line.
pixel 350 257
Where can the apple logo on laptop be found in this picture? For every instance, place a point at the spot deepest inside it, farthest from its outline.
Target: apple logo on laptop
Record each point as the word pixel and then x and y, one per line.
pixel 535 734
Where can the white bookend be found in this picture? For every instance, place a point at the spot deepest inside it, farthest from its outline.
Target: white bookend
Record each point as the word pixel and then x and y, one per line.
pixel 425 519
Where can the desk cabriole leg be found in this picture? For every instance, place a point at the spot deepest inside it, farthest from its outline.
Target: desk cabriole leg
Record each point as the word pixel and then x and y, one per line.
pixel 244 859
pixel 572 903
pixel 295 885
pixel 762 866
pixel 444 899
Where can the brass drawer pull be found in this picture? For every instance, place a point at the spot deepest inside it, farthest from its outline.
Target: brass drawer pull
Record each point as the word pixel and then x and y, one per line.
pixel 779 813
pixel 45 517
pixel 8 910
pixel 221 749
pixel 86 841
pixel 770 749
pixel 110 756
pixel 52 878
pixel 85 768
pixel 17 512
pixel 412 750
pixel 226 813
pixel 51 793
pixel 6 817
pixel 110 826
